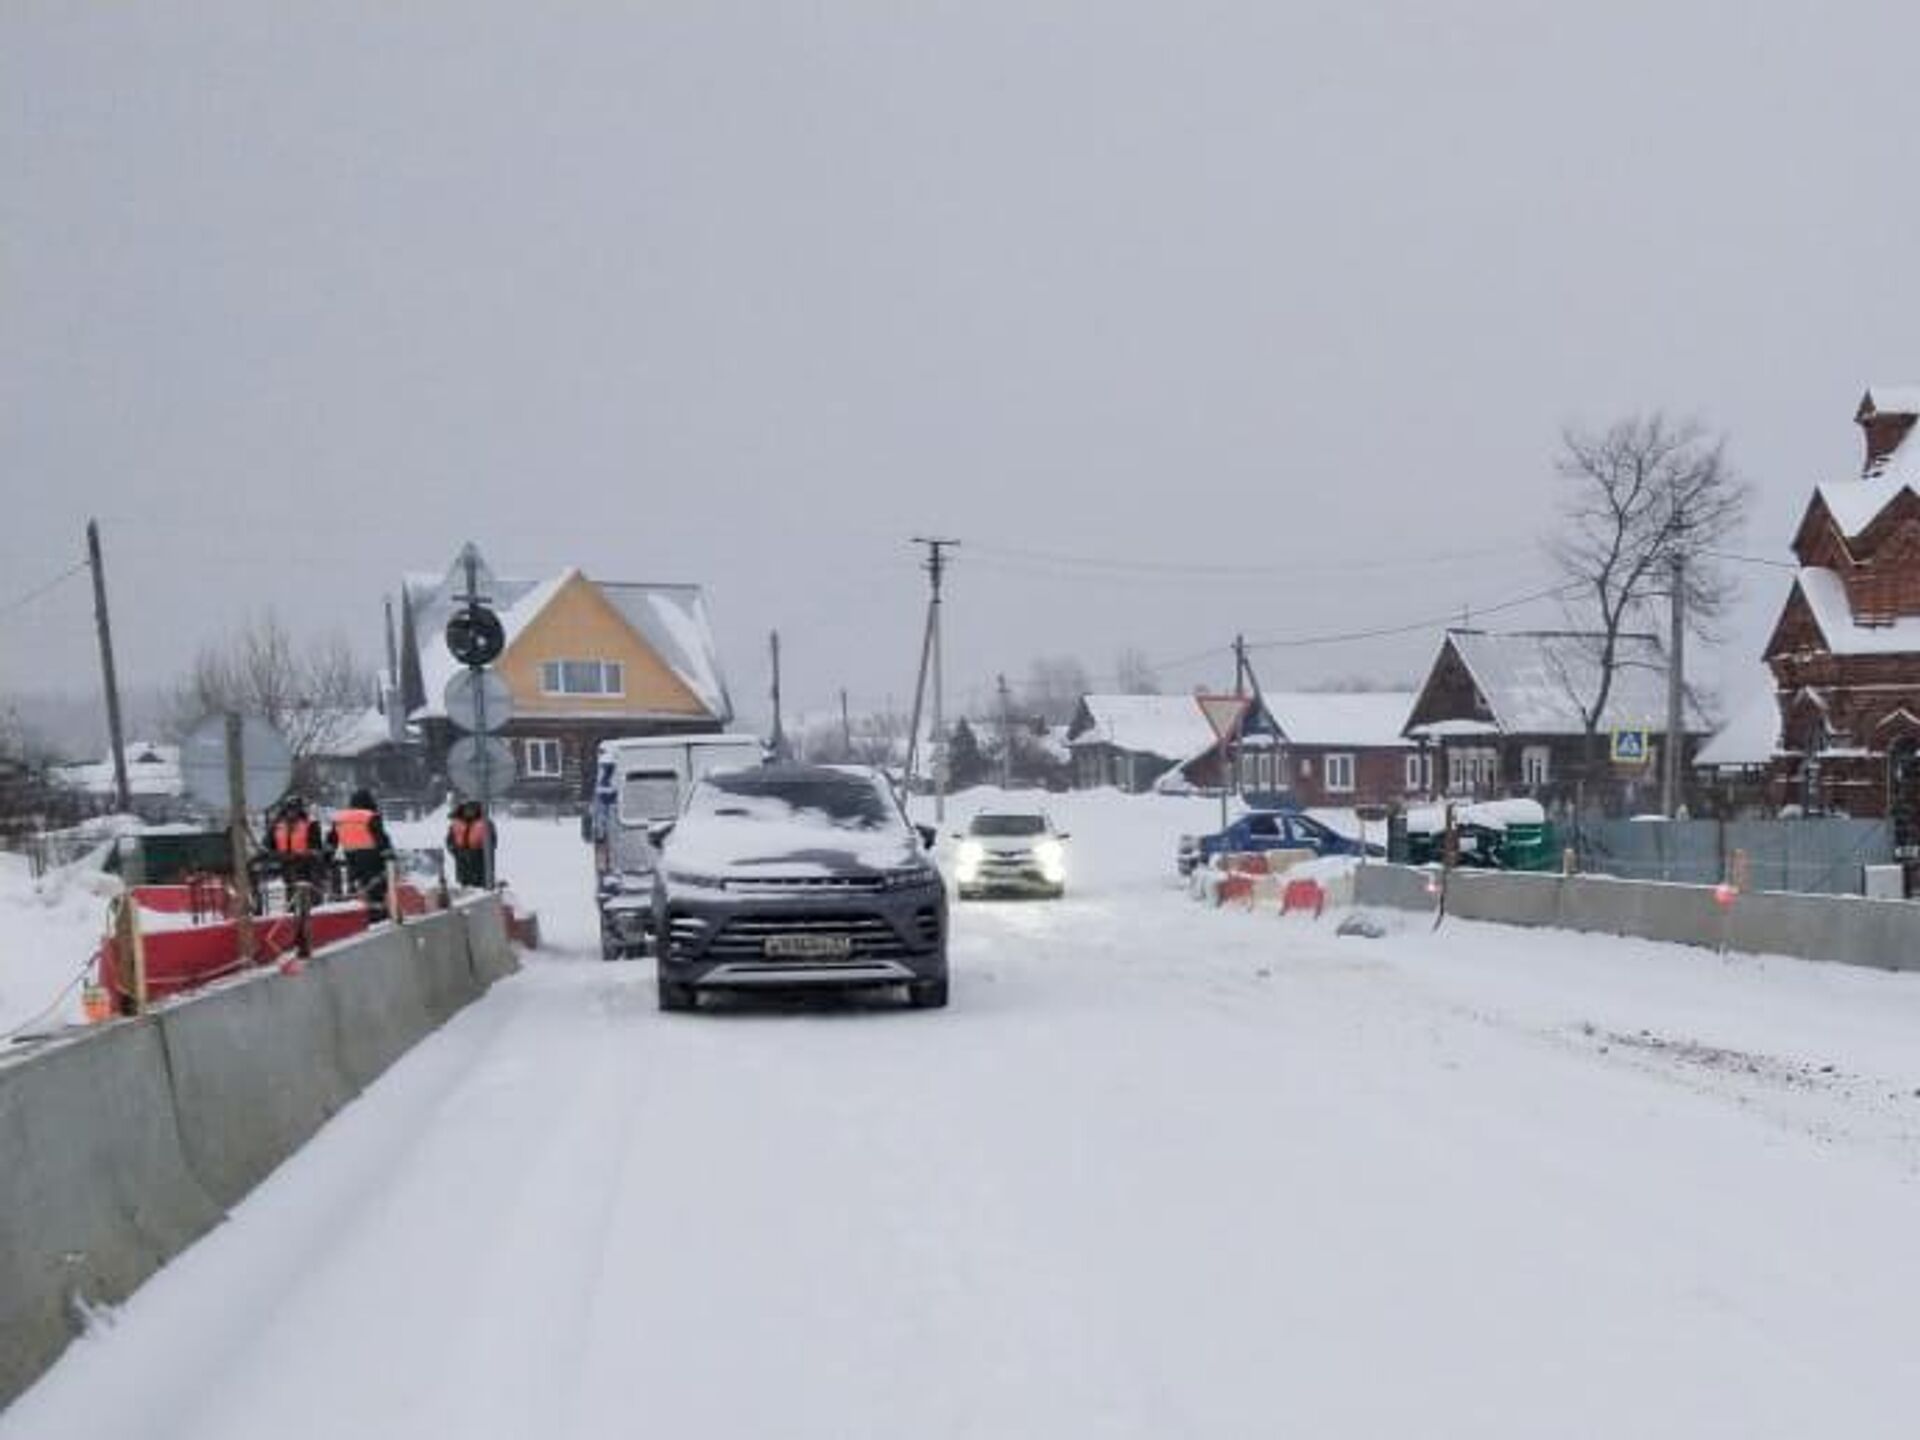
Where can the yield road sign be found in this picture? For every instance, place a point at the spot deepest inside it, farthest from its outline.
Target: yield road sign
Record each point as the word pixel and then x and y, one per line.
pixel 1224 712
pixel 463 694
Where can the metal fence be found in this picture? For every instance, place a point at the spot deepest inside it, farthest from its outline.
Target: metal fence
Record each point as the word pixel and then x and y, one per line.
pixel 1818 856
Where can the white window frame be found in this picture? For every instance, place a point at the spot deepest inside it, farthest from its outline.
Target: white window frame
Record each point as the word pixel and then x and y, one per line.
pixel 1472 769
pixel 612 679
pixel 1536 766
pixel 1337 772
pixel 533 753
pixel 1417 768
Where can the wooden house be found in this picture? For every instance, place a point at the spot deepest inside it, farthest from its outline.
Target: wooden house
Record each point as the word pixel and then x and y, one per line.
pixel 585 661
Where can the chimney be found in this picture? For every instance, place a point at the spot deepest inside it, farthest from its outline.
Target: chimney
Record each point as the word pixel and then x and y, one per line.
pixel 1886 417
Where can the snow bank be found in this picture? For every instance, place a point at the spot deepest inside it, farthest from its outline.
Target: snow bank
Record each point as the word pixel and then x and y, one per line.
pixel 48 929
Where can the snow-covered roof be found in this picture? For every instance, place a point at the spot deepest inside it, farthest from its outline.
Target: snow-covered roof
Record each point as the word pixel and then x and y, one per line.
pixel 1449 729
pixel 1535 683
pixel 1364 720
pixel 152 769
pixel 1752 733
pixel 671 619
pixel 365 732
pixel 1894 399
pixel 1826 597
pixel 1169 726
pixel 1854 503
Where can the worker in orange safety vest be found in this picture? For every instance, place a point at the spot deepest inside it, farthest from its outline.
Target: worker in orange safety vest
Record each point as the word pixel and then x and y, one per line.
pixel 470 842
pixel 359 835
pixel 296 844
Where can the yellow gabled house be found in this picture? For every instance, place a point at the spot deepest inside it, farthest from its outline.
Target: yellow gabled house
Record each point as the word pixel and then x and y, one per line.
pixel 585 661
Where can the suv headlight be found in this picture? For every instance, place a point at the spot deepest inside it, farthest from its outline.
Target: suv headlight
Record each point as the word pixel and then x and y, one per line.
pixel 695 880
pixel 919 877
pixel 967 861
pixel 1052 858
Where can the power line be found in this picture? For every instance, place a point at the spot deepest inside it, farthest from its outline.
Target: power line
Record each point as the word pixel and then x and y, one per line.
pixel 1750 560
pixel 1299 642
pixel 1176 568
pixel 21 602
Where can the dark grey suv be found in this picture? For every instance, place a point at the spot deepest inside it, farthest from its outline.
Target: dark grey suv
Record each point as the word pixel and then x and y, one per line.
pixel 797 877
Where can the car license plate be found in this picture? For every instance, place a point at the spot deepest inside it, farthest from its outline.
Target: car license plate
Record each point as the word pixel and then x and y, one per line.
pixel 809 947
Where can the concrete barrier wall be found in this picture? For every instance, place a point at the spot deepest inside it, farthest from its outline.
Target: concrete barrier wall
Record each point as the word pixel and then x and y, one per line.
pixel 1884 934
pixel 124 1145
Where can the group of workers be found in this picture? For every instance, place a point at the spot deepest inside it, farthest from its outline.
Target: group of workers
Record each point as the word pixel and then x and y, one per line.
pixel 357 843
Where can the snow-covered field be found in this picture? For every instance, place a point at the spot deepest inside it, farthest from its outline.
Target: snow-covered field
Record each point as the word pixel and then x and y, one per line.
pixel 1160 1171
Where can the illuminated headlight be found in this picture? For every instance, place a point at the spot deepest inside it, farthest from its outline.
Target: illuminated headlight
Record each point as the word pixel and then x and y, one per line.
pixel 1051 856
pixel 967 863
pixel 694 880
pixel 917 878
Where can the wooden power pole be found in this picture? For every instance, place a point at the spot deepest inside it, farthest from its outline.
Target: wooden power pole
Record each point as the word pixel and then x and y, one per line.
pixel 116 738
pixel 1672 752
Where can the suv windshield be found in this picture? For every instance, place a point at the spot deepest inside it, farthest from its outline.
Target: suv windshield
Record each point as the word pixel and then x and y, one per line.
pixel 848 802
pixel 1009 825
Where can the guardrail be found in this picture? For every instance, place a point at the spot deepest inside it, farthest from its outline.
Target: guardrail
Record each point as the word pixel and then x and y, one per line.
pixel 126 1142
pixel 1846 929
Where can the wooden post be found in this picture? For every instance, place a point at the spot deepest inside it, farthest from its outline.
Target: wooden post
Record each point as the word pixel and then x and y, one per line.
pixel 122 793
pixel 237 838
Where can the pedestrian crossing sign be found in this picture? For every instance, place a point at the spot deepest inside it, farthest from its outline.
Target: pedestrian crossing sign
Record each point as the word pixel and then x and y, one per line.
pixel 1630 745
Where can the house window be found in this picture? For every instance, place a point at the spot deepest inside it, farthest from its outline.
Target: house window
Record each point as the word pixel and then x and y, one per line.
pixel 1418 767
pixel 1472 769
pixel 1535 765
pixel 543 759
pixel 1337 771
pixel 583 677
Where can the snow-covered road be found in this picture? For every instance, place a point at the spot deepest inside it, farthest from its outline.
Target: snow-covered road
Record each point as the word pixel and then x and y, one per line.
pixel 1159 1171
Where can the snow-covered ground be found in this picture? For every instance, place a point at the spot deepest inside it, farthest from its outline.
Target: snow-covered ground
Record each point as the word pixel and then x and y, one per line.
pixel 1160 1171
pixel 48 930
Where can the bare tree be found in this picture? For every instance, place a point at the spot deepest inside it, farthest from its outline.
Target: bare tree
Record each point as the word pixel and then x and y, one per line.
pixel 1133 675
pixel 313 693
pixel 1640 495
pixel 1054 687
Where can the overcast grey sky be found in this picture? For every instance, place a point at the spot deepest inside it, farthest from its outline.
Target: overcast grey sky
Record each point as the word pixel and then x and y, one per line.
pixel 298 297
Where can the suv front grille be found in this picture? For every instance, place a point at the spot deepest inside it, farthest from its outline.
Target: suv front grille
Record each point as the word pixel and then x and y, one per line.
pixel 745 937
pixel 806 885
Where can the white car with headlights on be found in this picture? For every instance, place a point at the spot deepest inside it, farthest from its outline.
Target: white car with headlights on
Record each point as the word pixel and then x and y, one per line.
pixel 1010 852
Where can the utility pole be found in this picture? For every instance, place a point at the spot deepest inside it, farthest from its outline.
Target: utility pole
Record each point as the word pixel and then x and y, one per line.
pixel 1006 735
pixel 390 692
pixel 1670 754
pixel 846 728
pixel 930 659
pixel 779 742
pixel 482 735
pixel 116 739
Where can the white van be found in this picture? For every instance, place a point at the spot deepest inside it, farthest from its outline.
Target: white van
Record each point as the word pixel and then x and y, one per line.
pixel 638 783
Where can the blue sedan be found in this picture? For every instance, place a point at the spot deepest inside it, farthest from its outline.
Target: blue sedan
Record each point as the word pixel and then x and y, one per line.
pixel 1262 830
